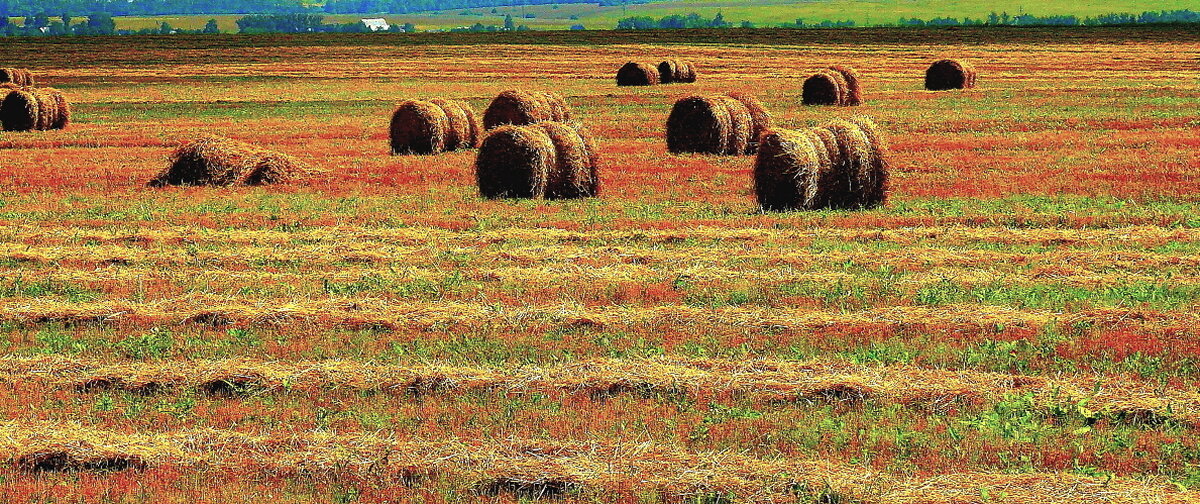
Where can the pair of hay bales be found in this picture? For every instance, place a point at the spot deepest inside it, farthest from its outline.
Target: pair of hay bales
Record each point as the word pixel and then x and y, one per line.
pixel 841 165
pixel 520 108
pixel 217 161
pixel 667 72
pixel 948 74
pixel 29 109
pixel 723 125
pixel 16 76
pixel 430 127
pixel 835 85
pixel 548 159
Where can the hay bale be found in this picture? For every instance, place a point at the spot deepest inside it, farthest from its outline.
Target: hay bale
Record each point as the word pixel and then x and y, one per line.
pixel 949 74
pixel 825 87
pixel 824 183
pixel 521 108
pixel 854 176
pixel 47 110
pixel 63 118
pixel 667 70
pixel 573 174
pixel 741 125
pixel 875 194
pixel 9 75
pixel 637 74
pixel 463 128
pixel 785 171
pixel 26 78
pixel 514 162
pixel 761 118
pixel 19 111
pixel 687 72
pixel 219 161
pixel 699 124
pixel 419 127
pixel 854 96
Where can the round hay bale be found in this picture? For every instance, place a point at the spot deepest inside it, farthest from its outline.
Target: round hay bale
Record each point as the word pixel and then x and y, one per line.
pixel 573 173
pixel 461 121
pixel 741 125
pixel 637 74
pixel 824 181
pixel 699 124
pixel 518 108
pixel 63 118
pixel 854 95
pixel 559 111
pixel 593 154
pixel 762 117
pixel 219 161
pixel 825 87
pixel 667 70
pixel 47 110
pixel 19 111
pixel 876 193
pixel 785 171
pixel 853 171
pixel 949 74
pixel 26 78
pixel 687 72
pixel 419 127
pixel 514 162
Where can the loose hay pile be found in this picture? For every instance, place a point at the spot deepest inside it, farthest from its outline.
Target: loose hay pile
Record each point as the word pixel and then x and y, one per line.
pixel 525 107
pixel 950 74
pixel 544 160
pixel 841 165
pixel 16 76
pixel 826 87
pixel 716 125
pixel 28 109
pixel 218 161
pixel 676 71
pixel 430 127
pixel 637 74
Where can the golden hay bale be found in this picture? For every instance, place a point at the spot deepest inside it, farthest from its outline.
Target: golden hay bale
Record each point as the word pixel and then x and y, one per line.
pixel 741 125
pixel 785 171
pixel 823 185
pixel 19 111
pixel 948 74
pixel 593 154
pixel 521 108
pixel 47 110
pixel 637 74
pixel 854 96
pixel 559 111
pixel 853 171
pixel 825 87
pixel 419 127
pixel 667 70
pixel 762 118
pixel 463 129
pixel 218 161
pixel 876 193
pixel 573 174
pixel 63 118
pixel 699 124
pixel 514 162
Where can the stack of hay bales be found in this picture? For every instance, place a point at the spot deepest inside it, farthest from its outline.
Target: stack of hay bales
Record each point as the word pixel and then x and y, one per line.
pixel 723 124
pixel 525 107
pixel 841 165
pixel 29 109
pixel 676 70
pixel 219 161
pixel 16 76
pixel 836 85
pixel 949 74
pixel 430 127
pixel 548 159
pixel 637 74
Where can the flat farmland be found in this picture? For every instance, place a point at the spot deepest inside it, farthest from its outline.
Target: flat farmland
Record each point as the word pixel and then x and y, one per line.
pixel 1017 324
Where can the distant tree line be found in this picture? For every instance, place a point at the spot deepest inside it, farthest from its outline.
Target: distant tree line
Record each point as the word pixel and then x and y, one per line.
pixel 676 21
pixel 303 23
pixel 407 6
pixel 29 8
pixel 93 24
pixel 1004 19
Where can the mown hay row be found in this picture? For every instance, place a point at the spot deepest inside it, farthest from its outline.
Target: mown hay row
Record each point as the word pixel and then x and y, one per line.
pixel 949 74
pixel 33 109
pixel 218 161
pixel 842 164
pixel 434 126
pixel 547 159
pixel 17 76
pixel 675 70
pixel 637 74
pixel 727 125
pixel 519 108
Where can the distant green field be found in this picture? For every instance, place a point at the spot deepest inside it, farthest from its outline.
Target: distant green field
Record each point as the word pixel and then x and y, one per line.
pixel 760 12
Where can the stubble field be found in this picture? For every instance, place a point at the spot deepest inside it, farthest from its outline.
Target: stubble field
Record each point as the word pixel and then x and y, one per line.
pixel 1017 324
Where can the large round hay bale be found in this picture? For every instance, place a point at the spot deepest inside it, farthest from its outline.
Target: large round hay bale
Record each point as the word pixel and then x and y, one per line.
pixel 419 127
pixel 637 74
pixel 219 161
pixel 63 118
pixel 876 193
pixel 699 124
pixel 19 111
pixel 573 174
pixel 668 70
pixel 762 117
pixel 521 108
pixel 687 72
pixel 463 130
pixel 949 74
pixel 593 154
pixel 559 111
pixel 824 184
pixel 515 162
pixel 853 171
pixel 825 87
pixel 47 110
pixel 785 171
pixel 741 125
pixel 854 96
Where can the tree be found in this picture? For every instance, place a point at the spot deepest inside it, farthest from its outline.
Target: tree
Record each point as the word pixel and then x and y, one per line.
pixel 101 23
pixel 508 23
pixel 39 21
pixel 211 27
pixel 410 28
pixel 66 19
pixel 165 28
